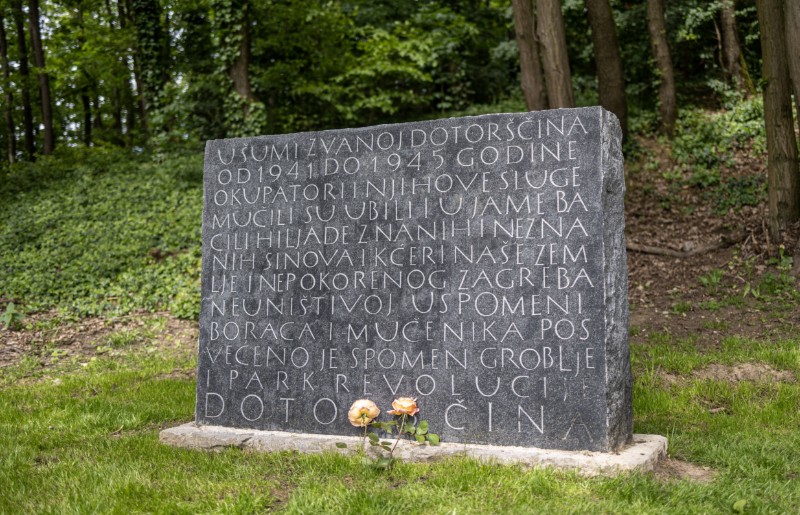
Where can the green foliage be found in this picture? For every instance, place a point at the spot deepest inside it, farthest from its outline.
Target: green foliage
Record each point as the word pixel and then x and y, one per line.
pixel 244 117
pixel 693 27
pixel 319 64
pixel 779 284
pixel 85 56
pixel 195 108
pixel 706 141
pixel 581 52
pixel 98 231
pixel 11 317
pixel 711 280
pixel 153 49
pixel 734 193
pixel 682 307
pixel 361 63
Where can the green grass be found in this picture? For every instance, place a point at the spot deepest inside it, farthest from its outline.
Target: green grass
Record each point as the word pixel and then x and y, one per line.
pixel 662 351
pixel 89 442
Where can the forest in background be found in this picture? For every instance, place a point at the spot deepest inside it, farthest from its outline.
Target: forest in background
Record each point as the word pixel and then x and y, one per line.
pixel 144 74
pixel 124 72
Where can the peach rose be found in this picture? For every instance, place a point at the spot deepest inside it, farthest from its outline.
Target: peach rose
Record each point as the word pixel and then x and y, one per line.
pixel 404 406
pixel 362 412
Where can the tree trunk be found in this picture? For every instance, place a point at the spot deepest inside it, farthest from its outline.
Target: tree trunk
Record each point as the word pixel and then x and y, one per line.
pixel 98 114
pixel 782 181
pixel 610 77
pixel 130 108
pixel 110 14
pixel 150 49
pixel 87 106
pixel 130 96
pixel 122 11
pixel 553 44
pixel 116 101
pixel 140 96
pixel 87 119
pixel 731 50
pixel 27 112
pixel 8 97
pixel 44 79
pixel 792 11
pixel 668 105
pixel 530 68
pixel 240 67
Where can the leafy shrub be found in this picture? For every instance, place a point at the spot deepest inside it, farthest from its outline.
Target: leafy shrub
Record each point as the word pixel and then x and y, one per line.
pixel 706 141
pixel 102 230
pixel 734 193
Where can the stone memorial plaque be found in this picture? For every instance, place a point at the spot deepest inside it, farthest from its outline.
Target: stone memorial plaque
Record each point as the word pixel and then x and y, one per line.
pixel 476 264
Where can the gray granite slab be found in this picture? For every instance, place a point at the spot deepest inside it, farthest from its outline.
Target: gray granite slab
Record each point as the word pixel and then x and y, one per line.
pixel 642 454
pixel 476 264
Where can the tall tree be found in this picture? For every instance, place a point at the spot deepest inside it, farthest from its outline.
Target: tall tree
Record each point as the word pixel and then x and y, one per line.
pixel 530 67
pixel 668 105
pixel 553 44
pixel 731 50
pixel 129 62
pixel 87 118
pixel 132 101
pixel 24 72
pixel 240 68
pixel 8 97
pixel 44 79
pixel 98 113
pixel 782 173
pixel 84 87
pixel 236 32
pixel 151 47
pixel 610 78
pixel 792 11
pixel 118 135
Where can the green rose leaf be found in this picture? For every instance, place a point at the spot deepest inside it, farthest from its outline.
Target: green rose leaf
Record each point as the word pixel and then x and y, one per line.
pixel 433 438
pixel 422 428
pixel 420 438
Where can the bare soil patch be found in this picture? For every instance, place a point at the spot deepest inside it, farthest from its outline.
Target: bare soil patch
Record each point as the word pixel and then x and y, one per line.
pixel 49 341
pixel 756 372
pixel 281 494
pixel 676 470
pixel 753 372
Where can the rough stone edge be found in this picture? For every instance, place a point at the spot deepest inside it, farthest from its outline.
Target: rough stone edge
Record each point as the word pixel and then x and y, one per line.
pixel 619 381
pixel 642 455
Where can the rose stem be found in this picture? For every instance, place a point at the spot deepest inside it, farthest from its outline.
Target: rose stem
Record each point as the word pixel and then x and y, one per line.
pixel 399 434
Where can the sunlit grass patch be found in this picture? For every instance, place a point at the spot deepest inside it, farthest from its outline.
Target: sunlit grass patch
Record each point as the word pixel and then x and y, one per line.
pixel 86 439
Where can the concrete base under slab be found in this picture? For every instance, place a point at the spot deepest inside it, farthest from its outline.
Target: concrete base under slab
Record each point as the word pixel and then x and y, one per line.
pixel 641 455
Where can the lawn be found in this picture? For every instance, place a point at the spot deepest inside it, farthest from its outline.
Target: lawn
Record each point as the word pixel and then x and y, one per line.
pixel 81 435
